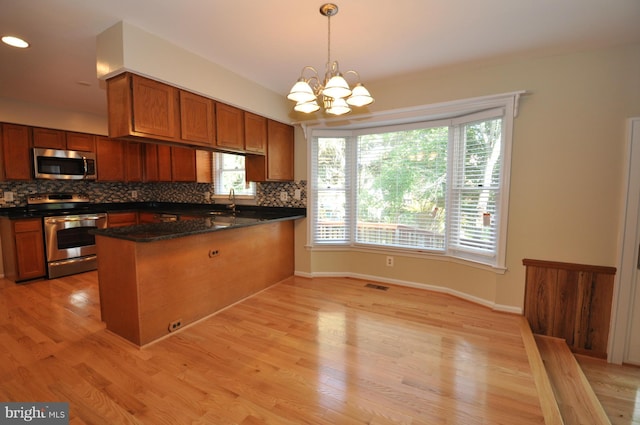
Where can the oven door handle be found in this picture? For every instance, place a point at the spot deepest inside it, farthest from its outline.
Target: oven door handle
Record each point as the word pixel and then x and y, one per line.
pixel 67 220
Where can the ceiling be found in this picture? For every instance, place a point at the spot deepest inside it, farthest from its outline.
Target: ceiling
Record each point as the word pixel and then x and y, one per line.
pixel 269 41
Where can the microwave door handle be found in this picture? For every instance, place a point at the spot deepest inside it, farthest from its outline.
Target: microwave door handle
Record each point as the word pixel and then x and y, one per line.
pixel 86 169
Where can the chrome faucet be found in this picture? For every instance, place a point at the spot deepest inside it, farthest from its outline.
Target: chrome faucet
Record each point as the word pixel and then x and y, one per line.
pixel 232 198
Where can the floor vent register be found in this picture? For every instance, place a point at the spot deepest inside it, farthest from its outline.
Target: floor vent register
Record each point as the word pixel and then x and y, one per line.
pixel 374 286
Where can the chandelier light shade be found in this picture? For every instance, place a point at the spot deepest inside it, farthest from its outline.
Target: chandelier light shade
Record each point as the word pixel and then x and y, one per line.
pixel 333 92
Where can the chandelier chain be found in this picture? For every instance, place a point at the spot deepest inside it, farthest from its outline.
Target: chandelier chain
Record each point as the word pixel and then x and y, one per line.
pixel 328 42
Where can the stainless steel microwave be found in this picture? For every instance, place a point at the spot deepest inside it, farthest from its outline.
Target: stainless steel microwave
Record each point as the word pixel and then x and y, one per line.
pixel 55 164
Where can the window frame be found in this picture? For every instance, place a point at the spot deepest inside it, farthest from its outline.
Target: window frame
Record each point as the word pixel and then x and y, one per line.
pixel 427 115
pixel 216 175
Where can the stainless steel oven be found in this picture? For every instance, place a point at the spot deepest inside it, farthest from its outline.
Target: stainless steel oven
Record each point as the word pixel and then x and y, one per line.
pixel 68 220
pixel 69 245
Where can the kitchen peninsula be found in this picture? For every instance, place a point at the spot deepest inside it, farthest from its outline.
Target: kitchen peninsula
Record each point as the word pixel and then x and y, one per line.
pixel 155 278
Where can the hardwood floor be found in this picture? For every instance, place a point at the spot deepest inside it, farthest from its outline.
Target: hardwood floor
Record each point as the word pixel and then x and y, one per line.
pixel 314 351
pixel 617 387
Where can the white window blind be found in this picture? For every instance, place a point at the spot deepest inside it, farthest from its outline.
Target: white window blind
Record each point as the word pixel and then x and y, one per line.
pixel 331 190
pixel 476 184
pixel 438 186
pixel 401 188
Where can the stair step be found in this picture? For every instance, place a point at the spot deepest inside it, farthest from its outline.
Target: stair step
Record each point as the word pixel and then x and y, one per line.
pixel 548 403
pixel 576 400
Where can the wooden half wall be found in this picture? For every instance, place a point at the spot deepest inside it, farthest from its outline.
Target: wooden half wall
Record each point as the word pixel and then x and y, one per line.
pixel 570 301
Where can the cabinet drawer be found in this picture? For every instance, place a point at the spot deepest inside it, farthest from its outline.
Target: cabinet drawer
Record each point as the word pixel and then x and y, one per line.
pixel 27 225
pixel 122 219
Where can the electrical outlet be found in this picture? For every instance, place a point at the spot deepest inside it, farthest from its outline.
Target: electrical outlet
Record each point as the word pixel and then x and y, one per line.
pixel 8 196
pixel 207 196
pixel 134 194
pixel 284 196
pixel 174 326
pixel 297 194
pixel 389 261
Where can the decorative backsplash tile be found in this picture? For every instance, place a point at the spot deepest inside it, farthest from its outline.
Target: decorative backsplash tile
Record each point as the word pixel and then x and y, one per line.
pixel 269 194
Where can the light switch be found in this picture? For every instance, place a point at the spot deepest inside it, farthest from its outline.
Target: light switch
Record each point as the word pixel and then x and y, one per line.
pixel 8 196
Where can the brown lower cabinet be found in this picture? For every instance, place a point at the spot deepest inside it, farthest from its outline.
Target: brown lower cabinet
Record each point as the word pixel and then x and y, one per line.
pixel 22 249
pixel 148 217
pixel 146 287
pixel 122 219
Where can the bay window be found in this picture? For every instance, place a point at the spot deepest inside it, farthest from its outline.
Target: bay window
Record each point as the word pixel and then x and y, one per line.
pixel 430 187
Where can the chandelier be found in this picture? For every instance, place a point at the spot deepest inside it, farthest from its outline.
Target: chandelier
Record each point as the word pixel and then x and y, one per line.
pixel 333 92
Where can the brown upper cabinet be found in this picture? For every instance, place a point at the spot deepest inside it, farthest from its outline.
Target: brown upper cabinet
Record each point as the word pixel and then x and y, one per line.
pixel 60 139
pixel 255 133
pixel 277 164
pixel 197 119
pixel 81 141
pixel 16 152
pixel 133 161
pixel 183 164
pixel 110 159
pixel 229 128
pixel 157 163
pixel 49 138
pixel 142 108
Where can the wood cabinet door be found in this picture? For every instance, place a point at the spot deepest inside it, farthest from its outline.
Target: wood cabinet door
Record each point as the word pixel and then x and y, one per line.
pixel 204 166
pixel 81 142
pixel 29 249
pixel 133 161
pixel 229 128
pixel 148 217
pixel 155 108
pixel 16 152
pixel 255 133
pixel 122 219
pixel 49 138
pixel 150 163
pixel 164 163
pixel 197 118
pixel 279 151
pixel 110 159
pixel 183 164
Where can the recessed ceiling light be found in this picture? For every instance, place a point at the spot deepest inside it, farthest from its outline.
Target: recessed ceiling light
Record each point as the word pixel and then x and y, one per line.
pixel 15 41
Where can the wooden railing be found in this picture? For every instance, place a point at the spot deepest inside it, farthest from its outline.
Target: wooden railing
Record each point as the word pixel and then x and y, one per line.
pixel 387 233
pixel 570 301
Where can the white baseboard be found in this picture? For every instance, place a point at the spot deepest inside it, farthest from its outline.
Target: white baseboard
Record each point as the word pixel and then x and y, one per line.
pixel 434 288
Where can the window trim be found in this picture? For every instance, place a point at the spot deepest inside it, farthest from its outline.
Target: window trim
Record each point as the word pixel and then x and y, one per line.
pixel 421 114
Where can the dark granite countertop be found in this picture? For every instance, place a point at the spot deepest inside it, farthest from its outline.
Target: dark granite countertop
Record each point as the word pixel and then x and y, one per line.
pixel 175 229
pixel 214 217
pixel 178 209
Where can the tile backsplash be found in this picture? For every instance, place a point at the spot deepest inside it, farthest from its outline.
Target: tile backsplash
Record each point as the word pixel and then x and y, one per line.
pixel 269 194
